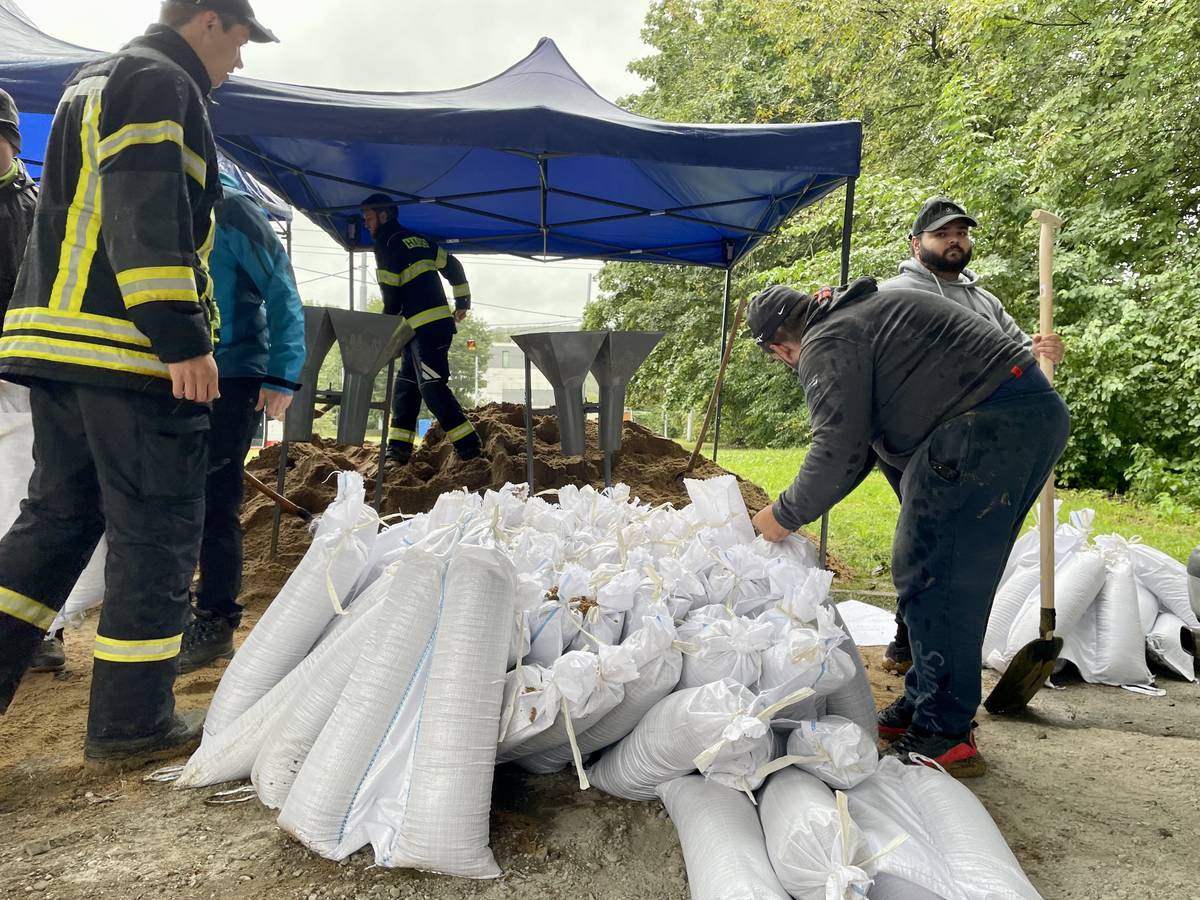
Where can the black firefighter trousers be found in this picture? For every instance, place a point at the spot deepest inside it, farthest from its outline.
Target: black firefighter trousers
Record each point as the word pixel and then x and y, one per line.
pixel 131 466
pixel 425 374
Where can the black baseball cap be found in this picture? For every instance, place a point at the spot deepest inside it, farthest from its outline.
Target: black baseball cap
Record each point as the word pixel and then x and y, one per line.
pixel 241 9
pixel 769 309
pixel 938 212
pixel 10 120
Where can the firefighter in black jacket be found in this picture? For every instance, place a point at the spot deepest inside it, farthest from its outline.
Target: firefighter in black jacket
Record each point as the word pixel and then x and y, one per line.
pixel 18 198
pixel 408 266
pixel 111 327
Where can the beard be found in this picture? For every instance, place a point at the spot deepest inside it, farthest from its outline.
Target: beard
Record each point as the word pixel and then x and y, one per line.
pixel 939 263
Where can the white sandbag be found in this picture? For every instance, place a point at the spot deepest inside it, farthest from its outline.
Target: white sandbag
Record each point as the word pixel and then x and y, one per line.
pixel 722 645
pixel 739 580
pixel 1172 645
pixel 658 663
pixel 287 744
pixel 16 451
pixel 1166 578
pixel 717 504
pixel 601 617
pixel 814 846
pixel 590 685
pixel 440 818
pixel 807 657
pixel 716 729
pixel 835 750
pixel 1107 645
pixel 230 755
pixel 1148 607
pixel 1010 599
pixel 853 700
pixel 296 619
pixel 1068 537
pixel 1077 583
pixel 722 841
pixel 951 847
pixel 330 795
pixel 88 592
pixel 531 704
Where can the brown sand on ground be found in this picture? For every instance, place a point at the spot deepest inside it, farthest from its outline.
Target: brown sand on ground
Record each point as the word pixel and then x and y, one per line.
pixel 649 464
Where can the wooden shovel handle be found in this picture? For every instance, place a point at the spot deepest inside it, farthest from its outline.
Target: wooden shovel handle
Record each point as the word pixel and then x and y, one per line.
pixel 1049 225
pixel 284 503
pixel 712 400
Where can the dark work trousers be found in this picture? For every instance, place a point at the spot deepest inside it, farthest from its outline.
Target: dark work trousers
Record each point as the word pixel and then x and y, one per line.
pixel 233 422
pixel 893 476
pixel 130 466
pixel 966 492
pixel 424 374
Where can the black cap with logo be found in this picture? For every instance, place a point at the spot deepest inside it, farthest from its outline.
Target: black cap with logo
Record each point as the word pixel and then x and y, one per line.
pixel 10 120
pixel 938 212
pixel 241 9
pixel 769 309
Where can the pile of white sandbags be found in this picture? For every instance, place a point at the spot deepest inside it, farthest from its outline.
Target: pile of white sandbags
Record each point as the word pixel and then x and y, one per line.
pixel 1117 601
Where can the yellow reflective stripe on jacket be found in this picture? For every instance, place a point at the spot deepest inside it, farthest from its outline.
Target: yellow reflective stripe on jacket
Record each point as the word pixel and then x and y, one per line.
pixel 461 290
pixel 460 432
pixel 154 133
pixel 82 353
pixel 26 609
pixel 430 315
pixel 156 650
pixel 420 267
pixel 402 434
pixel 153 283
pixel 81 323
pixel 83 216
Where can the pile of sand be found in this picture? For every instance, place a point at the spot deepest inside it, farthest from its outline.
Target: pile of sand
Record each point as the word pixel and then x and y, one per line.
pixel 649 464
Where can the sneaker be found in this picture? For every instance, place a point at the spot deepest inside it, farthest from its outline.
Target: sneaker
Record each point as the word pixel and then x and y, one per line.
pixel 206 639
pixel 181 737
pixel 897 659
pixel 894 720
pixel 956 754
pixel 51 655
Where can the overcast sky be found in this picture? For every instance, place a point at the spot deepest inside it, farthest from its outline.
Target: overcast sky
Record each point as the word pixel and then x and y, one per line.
pixel 400 45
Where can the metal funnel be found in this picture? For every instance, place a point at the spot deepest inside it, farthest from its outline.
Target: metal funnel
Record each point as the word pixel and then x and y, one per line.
pixel 318 341
pixel 368 341
pixel 565 357
pixel 614 365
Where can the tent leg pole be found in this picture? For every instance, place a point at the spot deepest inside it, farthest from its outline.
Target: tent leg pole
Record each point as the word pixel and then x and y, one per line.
pixel 529 424
pixel 351 255
pixel 847 222
pixel 724 340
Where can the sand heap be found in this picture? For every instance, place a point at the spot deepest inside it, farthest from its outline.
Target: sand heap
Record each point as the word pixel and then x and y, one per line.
pixel 648 463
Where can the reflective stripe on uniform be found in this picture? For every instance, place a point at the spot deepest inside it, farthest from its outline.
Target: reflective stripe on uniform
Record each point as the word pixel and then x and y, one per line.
pixel 86 324
pixel 155 133
pixel 81 353
pixel 430 315
pixel 146 285
pixel 83 217
pixel 26 609
pixel 461 290
pixel 156 650
pixel 420 267
pixel 402 434
pixel 460 432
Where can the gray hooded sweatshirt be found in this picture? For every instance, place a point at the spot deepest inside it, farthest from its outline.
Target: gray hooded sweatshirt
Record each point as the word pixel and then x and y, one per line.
pixel 965 292
pixel 881 369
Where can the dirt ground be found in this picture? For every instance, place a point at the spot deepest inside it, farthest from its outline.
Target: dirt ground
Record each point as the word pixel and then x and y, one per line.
pixel 1094 791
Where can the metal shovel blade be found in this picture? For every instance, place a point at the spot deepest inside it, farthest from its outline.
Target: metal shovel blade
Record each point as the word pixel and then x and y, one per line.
pixel 1024 677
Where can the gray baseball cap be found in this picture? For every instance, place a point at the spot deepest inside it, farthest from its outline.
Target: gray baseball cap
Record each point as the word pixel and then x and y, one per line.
pixel 241 9
pixel 938 212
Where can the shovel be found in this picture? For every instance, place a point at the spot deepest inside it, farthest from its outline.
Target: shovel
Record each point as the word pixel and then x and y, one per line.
pixel 284 503
pixel 1034 662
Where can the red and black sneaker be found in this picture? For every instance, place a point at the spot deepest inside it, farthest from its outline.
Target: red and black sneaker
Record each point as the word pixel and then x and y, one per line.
pixel 894 720
pixel 956 754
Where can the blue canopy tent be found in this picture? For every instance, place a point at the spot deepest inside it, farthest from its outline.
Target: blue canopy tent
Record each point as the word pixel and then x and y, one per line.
pixel 532 162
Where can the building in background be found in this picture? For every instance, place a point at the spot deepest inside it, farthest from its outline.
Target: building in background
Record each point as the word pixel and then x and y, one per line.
pixel 506 374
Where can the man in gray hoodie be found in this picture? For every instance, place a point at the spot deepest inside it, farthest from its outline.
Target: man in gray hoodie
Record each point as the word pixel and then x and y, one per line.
pixel 942 247
pixel 964 413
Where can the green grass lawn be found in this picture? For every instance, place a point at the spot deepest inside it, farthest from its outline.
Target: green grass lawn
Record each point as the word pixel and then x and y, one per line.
pixel 861 526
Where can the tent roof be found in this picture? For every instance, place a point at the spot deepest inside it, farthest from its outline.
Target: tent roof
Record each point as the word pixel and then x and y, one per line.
pixel 531 162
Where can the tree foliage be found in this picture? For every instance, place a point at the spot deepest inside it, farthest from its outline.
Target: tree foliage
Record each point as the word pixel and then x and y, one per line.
pixel 1090 109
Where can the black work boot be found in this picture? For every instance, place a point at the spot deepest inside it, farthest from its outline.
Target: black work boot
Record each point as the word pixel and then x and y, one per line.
pixel 206 639
pixel 397 453
pixel 181 737
pixel 51 655
pixel 956 754
pixel 893 721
